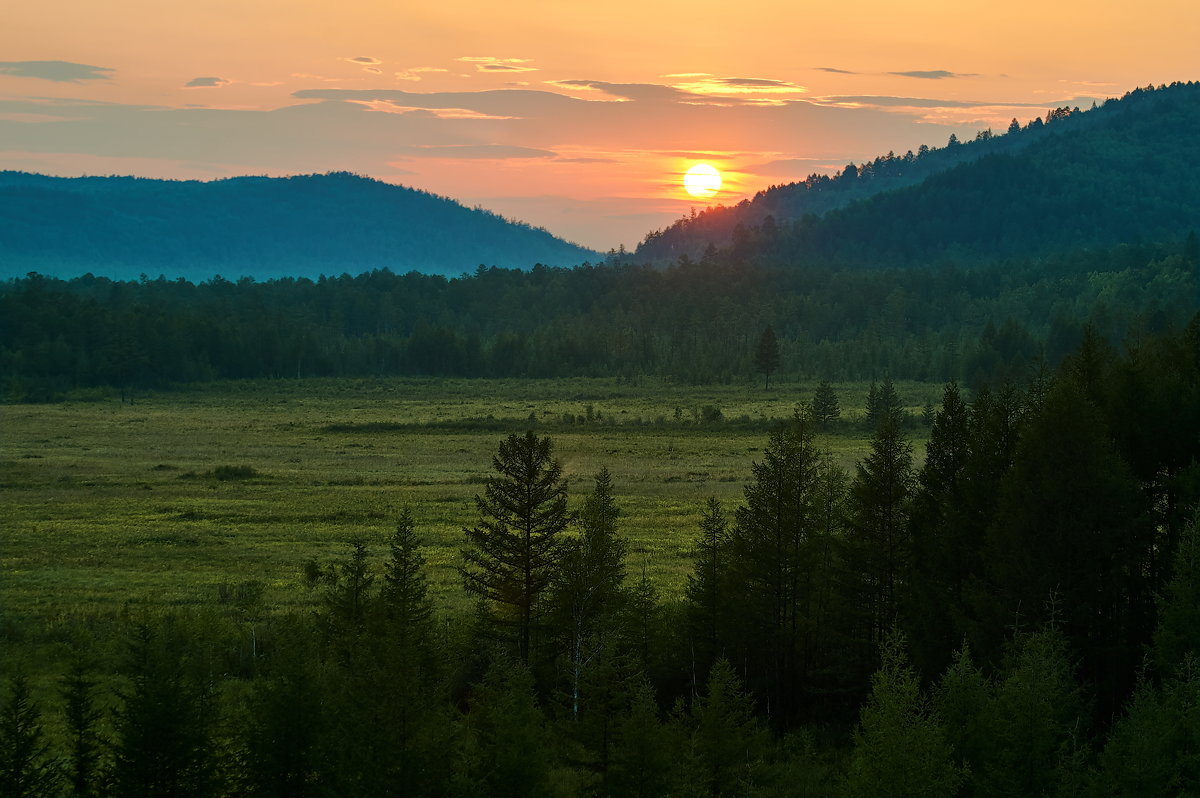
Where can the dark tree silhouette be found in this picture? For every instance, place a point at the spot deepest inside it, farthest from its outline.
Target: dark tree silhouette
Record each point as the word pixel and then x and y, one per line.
pixel 514 547
pixel 766 355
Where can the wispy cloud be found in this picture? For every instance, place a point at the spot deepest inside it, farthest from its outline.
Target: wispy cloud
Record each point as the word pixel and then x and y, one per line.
pixel 934 74
pixel 57 71
pixel 363 60
pixel 487 63
pixel 206 83
pixel 740 86
pixel 836 71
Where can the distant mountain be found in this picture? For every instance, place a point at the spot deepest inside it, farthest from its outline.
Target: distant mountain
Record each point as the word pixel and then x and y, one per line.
pixel 1124 172
pixel 262 227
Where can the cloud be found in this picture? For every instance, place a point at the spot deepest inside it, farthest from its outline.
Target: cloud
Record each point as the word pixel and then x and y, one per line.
pixel 836 71
pixel 487 63
pixel 57 71
pixel 898 102
pixel 627 91
pixel 934 74
pixel 373 70
pixel 206 83
pixel 363 60
pixel 390 107
pixel 736 86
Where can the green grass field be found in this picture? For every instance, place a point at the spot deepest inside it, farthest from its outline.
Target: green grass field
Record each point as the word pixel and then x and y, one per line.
pixel 106 504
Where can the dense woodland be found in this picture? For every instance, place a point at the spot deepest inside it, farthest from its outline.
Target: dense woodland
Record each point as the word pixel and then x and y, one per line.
pixel 693 322
pixel 1016 617
pixel 1123 171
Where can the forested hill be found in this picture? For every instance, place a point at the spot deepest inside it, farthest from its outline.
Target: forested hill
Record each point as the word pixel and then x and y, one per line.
pixel 1124 172
pixel 309 225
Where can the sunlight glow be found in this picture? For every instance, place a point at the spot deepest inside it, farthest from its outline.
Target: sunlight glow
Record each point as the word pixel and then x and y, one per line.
pixel 702 181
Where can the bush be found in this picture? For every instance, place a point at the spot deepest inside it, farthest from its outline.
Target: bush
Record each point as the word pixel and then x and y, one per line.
pixel 228 473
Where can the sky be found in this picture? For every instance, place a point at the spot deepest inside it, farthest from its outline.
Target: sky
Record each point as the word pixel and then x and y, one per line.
pixel 580 118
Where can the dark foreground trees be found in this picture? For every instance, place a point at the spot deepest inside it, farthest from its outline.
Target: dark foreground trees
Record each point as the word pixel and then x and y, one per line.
pixel 1043 530
pixel 515 545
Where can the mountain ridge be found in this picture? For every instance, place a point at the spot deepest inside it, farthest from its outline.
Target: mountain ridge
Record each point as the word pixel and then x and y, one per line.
pixel 262 227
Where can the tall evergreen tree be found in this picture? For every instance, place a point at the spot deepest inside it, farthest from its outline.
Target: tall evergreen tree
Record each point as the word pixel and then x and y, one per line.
pixel 766 355
pixel 773 562
pixel 825 407
pixel 164 724
pixel 900 747
pixel 883 405
pixel 83 720
pixel 945 548
pixel 26 767
pixel 404 596
pixel 727 741
pixel 514 547
pixel 706 588
pixel 877 545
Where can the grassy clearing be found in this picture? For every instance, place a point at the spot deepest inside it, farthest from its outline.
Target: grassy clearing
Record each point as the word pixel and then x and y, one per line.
pixel 164 501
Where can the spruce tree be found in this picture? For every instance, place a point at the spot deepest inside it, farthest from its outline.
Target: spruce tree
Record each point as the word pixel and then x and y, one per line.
pixel 727 741
pixel 766 355
pixel 900 747
pixel 945 548
pixel 706 587
pixel 26 768
pixel 83 718
pixel 877 544
pixel 404 596
pixel 773 564
pixel 514 548
pixel 825 406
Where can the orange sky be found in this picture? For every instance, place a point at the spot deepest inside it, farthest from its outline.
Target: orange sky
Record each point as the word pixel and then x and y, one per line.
pixel 579 118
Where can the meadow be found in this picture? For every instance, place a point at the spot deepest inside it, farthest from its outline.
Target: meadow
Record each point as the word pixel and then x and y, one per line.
pixel 177 497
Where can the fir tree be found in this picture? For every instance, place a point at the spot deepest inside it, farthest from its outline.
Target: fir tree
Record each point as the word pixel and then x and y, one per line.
pixel 83 719
pixel 514 547
pixel 825 407
pixel 26 768
pixel 766 355
pixel 705 589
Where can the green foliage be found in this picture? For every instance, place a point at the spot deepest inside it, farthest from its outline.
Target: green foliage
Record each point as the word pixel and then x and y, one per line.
pixel 515 545
pixel 766 355
pixel 164 725
pixel 825 406
pixel 901 747
pixel 228 473
pixel 727 742
pixel 83 718
pixel 1176 641
pixel 26 767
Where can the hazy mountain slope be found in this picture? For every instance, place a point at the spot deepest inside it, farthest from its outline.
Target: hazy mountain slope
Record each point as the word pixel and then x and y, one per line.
pixel 1121 172
pixel 262 227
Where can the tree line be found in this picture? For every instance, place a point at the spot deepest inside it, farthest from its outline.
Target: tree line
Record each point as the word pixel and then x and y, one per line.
pixel 1015 616
pixel 694 322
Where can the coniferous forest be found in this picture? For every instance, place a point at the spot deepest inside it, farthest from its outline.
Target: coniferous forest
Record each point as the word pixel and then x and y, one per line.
pixel 1015 616
pixel 1008 607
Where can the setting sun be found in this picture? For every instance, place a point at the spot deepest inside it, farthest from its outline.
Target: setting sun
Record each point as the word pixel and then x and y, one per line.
pixel 702 181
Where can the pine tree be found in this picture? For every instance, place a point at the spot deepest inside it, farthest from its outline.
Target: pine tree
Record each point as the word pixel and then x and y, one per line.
pixel 83 719
pixel 514 547
pixel 727 741
pixel 773 564
pixel 766 355
pixel 163 727
pixel 945 549
pixel 900 747
pixel 825 407
pixel 587 591
pixel 883 406
pixel 705 589
pixel 26 768
pixel 877 540
pixel 644 755
pixel 404 596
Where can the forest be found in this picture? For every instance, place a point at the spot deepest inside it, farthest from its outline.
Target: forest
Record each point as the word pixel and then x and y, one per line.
pixel 1016 615
pixel 694 322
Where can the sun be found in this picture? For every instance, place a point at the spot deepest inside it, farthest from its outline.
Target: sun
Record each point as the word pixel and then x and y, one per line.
pixel 702 181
